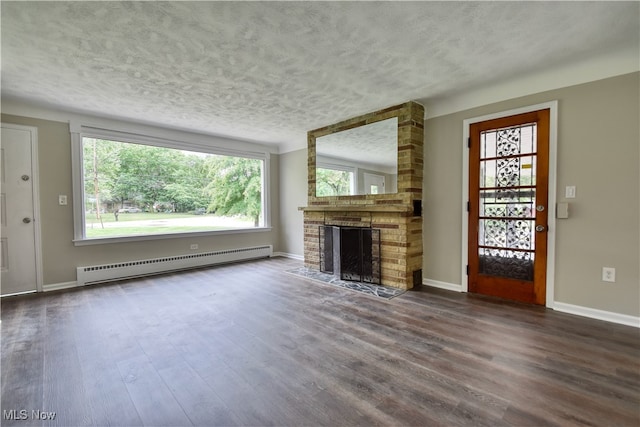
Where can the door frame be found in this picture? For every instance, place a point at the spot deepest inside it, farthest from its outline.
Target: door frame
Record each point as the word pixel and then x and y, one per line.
pixel 552 106
pixel 35 185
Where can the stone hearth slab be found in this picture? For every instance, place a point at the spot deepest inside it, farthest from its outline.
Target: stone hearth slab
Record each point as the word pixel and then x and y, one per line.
pixel 367 288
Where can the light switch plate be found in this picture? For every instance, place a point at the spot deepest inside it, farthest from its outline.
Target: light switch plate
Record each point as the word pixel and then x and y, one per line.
pixel 570 192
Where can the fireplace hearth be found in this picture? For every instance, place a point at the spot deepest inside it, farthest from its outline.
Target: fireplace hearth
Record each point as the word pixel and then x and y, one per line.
pixel 350 253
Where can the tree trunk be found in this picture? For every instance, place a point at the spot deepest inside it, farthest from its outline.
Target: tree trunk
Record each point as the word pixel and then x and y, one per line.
pixel 96 188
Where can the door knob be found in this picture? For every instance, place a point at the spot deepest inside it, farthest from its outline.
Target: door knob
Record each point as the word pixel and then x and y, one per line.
pixel 25 177
pixel 540 228
pixel 26 220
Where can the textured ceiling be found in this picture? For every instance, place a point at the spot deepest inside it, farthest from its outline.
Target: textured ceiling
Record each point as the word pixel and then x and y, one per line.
pixel 271 71
pixel 375 144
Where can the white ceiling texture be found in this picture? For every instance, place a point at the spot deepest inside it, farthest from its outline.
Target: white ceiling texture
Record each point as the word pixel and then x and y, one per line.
pixel 271 71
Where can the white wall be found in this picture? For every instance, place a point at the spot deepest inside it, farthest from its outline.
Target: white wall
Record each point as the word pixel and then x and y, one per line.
pixel 293 194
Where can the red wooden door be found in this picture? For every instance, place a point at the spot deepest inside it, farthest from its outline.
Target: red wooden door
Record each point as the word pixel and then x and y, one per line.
pixel 508 197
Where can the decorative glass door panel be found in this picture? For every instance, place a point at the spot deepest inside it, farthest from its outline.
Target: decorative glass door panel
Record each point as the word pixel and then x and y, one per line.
pixel 507 203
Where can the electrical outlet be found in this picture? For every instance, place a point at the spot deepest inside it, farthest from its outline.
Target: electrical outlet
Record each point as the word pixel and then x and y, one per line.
pixel 62 200
pixel 194 246
pixel 608 274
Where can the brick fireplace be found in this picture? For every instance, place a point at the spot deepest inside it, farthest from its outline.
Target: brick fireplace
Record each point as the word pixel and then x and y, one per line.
pixel 397 216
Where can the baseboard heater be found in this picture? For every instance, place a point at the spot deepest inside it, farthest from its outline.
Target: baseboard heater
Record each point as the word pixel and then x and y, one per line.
pixel 90 275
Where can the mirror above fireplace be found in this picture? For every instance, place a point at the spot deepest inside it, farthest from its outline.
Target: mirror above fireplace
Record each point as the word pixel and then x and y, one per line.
pixel 373 159
pixel 359 160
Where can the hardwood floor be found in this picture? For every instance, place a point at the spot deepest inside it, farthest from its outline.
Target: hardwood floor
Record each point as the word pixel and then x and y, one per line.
pixel 249 344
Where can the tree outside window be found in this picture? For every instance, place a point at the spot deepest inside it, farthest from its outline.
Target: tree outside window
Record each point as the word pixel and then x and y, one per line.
pixel 136 189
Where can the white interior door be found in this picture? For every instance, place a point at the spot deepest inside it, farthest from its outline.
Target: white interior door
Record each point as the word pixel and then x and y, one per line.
pixel 373 184
pixel 18 233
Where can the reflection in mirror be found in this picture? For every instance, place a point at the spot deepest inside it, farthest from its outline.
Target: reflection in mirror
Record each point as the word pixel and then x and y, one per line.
pixel 361 160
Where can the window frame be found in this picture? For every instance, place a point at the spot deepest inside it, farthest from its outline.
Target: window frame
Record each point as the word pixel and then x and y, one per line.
pixel 178 140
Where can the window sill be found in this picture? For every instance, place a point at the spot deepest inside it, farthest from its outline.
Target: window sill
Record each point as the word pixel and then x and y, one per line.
pixel 144 237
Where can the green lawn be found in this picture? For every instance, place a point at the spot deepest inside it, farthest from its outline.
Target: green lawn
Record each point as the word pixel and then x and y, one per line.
pixel 95 229
pixel 110 217
pixel 130 231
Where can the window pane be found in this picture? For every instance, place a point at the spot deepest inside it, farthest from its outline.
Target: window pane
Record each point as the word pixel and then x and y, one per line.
pixel 134 189
pixel 332 182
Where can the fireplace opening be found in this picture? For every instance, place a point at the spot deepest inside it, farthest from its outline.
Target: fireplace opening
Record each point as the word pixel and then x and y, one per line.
pixel 350 253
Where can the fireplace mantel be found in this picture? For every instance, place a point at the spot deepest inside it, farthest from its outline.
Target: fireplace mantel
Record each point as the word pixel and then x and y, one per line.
pixel 357 208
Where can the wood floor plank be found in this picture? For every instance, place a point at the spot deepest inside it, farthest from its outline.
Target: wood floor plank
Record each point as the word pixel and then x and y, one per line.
pixel 108 397
pixel 23 370
pixel 198 400
pixel 64 387
pixel 153 400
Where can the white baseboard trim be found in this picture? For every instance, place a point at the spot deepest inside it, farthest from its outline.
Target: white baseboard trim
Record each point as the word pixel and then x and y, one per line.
pixel 15 294
pixel 58 286
pixel 607 316
pixel 442 285
pixel 287 255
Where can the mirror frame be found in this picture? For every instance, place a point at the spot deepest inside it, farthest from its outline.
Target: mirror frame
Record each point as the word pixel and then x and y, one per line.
pixel 409 150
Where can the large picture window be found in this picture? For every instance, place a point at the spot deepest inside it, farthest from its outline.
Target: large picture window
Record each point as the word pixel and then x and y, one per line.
pixel 133 189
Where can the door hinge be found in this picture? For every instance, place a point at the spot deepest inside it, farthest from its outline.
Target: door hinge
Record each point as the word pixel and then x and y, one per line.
pixel 468 206
pixel 469 142
pixel 467 269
